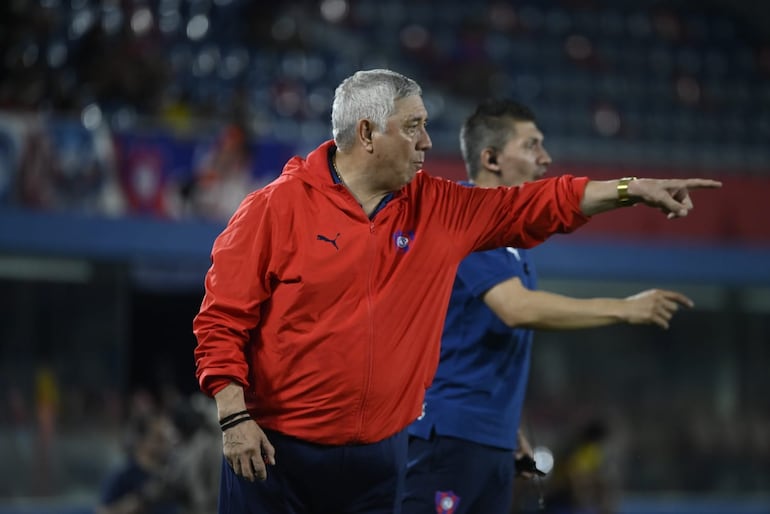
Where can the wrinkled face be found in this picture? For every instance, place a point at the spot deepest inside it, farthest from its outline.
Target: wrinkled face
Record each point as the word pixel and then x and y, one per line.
pixel 399 149
pixel 524 158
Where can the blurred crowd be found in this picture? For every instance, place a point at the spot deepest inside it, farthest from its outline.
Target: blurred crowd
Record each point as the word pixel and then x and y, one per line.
pixel 148 451
pixel 171 462
pixel 60 166
pixel 643 431
pixel 612 81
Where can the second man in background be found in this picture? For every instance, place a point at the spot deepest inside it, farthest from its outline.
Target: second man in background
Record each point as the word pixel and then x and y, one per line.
pixel 461 448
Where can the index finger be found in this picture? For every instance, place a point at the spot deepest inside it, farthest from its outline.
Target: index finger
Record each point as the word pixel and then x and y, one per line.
pixel 679 298
pixel 698 183
pixel 268 452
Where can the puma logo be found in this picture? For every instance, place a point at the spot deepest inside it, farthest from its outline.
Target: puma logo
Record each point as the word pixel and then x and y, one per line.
pixel 332 241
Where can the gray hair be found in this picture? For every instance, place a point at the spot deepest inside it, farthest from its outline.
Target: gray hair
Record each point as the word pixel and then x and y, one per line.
pixel 367 95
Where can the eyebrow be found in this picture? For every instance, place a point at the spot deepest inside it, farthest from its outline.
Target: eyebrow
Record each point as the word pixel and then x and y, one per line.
pixel 416 117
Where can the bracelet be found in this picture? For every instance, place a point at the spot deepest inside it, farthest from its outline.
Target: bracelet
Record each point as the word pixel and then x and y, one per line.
pixel 623 198
pixel 231 417
pixel 234 422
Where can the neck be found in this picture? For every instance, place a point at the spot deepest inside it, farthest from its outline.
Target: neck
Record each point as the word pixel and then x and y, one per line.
pixel 347 171
pixel 490 179
pixel 486 180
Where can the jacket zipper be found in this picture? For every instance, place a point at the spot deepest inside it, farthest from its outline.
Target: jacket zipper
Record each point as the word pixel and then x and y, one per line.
pixel 370 343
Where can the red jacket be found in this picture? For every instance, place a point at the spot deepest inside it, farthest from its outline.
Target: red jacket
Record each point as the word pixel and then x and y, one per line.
pixel 332 321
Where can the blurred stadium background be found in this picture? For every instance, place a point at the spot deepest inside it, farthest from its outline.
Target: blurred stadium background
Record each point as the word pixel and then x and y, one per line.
pixel 130 130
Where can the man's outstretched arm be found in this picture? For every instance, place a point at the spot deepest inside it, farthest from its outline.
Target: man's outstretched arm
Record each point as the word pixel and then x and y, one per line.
pixel 518 306
pixel 672 196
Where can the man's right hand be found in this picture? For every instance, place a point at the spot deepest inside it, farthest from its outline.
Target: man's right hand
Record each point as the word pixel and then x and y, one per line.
pixel 244 445
pixel 247 450
pixel 654 306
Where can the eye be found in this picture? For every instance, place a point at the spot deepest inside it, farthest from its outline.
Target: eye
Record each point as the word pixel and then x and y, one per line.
pixel 417 123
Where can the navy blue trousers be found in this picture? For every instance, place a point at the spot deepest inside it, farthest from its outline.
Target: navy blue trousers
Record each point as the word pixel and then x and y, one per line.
pixel 310 478
pixel 446 475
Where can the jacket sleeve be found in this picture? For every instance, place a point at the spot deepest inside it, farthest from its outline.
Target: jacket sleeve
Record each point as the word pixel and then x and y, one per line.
pixel 236 285
pixel 522 217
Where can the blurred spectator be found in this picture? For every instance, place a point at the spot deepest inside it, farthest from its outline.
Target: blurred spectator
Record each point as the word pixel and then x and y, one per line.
pixel 223 178
pixel 141 485
pixel 581 483
pixel 198 457
pixel 47 406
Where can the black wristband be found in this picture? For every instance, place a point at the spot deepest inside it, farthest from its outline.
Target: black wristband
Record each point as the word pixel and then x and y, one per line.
pixel 234 422
pixel 231 417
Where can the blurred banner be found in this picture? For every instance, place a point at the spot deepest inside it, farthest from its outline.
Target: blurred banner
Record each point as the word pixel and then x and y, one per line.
pixel 55 164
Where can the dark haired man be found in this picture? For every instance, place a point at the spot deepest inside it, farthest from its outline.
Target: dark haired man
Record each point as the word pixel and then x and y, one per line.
pixel 461 449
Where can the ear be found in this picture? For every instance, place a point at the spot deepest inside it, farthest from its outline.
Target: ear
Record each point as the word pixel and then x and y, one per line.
pixel 364 131
pixel 489 160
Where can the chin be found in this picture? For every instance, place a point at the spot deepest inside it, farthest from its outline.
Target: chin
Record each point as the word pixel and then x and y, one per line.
pixel 406 181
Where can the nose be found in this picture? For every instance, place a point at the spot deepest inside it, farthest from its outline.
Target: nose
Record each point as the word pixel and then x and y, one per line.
pixel 424 143
pixel 544 159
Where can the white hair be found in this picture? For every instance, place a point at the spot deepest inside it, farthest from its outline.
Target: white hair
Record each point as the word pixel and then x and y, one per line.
pixel 367 95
